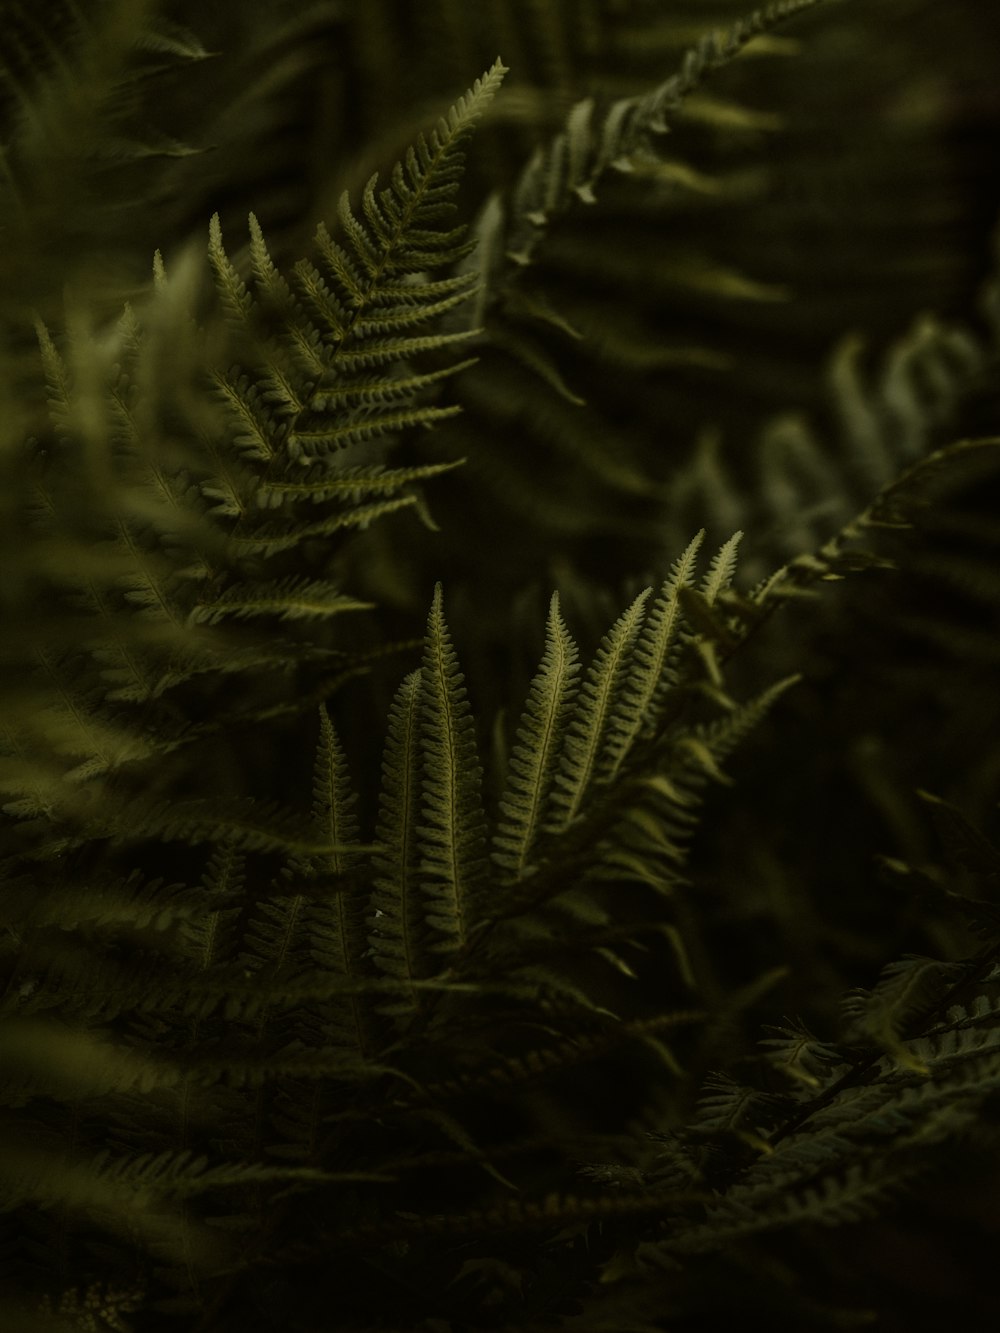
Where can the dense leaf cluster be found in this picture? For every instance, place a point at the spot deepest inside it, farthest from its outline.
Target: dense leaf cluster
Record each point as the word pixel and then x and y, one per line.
pixel 397 932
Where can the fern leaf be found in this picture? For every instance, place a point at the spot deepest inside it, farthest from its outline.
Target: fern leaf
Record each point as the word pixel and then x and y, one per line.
pixel 209 937
pixel 650 673
pixel 906 991
pixel 134 902
pixel 585 749
pixel 310 442
pixel 288 599
pixel 248 826
pixel 423 193
pixel 43 1058
pixel 571 166
pixel 257 435
pixel 333 800
pixel 453 834
pixel 706 746
pixel 352 484
pixel 403 235
pixel 534 760
pixel 303 334
pixel 892 508
pixel 274 939
pixel 270 539
pixel 57 378
pixel 237 300
pixel 798 1055
pixel 398 936
pixel 721 570
pixel 375 353
pixel 379 389
pixel 335 925
pixel 727 1106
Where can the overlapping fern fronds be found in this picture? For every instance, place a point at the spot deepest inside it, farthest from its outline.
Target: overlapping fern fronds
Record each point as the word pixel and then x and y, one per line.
pixel 361 968
pixel 281 1029
pixel 158 544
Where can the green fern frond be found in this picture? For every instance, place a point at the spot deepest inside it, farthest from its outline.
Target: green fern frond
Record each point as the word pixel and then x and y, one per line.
pixel 534 760
pixel 257 435
pixel 47 1059
pixel 274 937
pixel 350 484
pixel 859 1124
pixel 400 237
pixel 241 822
pixel 894 508
pixel 310 1043
pixel 726 1106
pixel 235 298
pixel 308 442
pixel 334 917
pixel 209 937
pixel 398 930
pixel 452 837
pixel 172 1175
pixel 650 840
pixel 325 361
pixel 907 989
pixel 132 1192
pixel 269 539
pixel 709 744
pixel 572 165
pixel 288 599
pixel 721 570
pixel 809 1063
pixel 585 755
pixel 653 671
pixel 133 901
pixel 305 342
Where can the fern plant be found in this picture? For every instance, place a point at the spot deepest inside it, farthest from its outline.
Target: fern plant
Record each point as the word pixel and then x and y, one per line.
pixel 367 966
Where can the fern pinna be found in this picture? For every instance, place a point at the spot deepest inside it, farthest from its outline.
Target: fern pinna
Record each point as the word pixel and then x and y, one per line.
pixel 168 523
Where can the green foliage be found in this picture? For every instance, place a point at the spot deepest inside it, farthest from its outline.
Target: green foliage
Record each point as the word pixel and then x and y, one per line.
pixel 593 957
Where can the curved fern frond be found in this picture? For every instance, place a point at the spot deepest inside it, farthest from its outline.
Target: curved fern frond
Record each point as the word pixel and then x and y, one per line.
pixel 708 744
pixel 325 365
pixel 894 508
pixel 652 672
pixel 570 167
